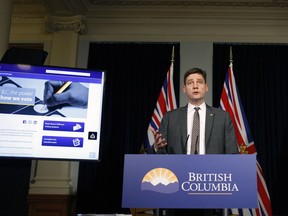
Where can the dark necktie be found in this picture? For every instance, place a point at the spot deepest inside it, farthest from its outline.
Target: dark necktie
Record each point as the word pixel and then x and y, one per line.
pixel 195 132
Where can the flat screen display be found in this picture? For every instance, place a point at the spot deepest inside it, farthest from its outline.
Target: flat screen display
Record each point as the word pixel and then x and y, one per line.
pixel 49 112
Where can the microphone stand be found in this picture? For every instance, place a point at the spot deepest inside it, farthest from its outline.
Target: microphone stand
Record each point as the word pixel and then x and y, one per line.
pixel 157 212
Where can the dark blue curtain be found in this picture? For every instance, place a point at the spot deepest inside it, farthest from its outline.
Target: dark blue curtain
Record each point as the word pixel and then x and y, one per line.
pixel 261 74
pixel 135 73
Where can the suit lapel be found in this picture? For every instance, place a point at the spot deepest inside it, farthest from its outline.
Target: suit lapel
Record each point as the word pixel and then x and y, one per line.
pixel 183 129
pixel 209 122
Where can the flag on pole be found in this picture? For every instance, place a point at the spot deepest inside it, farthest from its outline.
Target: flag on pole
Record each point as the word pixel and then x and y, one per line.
pixel 230 101
pixel 166 102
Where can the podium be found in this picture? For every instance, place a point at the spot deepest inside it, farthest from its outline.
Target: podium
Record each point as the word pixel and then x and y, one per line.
pixel 190 181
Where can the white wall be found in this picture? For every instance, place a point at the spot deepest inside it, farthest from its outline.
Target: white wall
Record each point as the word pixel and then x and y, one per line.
pixel 192 54
pixel 196 54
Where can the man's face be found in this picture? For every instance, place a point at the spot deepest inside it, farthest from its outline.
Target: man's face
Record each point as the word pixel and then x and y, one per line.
pixel 195 88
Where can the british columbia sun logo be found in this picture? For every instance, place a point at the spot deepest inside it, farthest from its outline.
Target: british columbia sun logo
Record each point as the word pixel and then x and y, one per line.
pixel 160 180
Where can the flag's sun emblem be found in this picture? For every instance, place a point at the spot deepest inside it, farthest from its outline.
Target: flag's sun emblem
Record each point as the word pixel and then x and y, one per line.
pixel 243 148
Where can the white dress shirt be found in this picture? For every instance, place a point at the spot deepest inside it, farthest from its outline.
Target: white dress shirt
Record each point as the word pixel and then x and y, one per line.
pixel 190 115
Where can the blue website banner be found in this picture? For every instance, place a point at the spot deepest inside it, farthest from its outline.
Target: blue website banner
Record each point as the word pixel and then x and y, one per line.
pixel 62 141
pixel 63 126
pixel 51 72
pixel 190 181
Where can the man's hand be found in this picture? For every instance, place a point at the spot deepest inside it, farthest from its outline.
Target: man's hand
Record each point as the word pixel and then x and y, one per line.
pixel 159 141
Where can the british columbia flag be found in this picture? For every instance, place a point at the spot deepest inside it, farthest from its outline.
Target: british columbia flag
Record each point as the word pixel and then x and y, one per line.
pixel 230 101
pixel 166 102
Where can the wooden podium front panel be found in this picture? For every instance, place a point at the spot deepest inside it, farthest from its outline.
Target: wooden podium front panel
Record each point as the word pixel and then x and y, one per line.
pixel 50 205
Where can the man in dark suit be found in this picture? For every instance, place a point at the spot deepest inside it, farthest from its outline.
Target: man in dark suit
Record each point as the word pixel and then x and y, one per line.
pixel 216 136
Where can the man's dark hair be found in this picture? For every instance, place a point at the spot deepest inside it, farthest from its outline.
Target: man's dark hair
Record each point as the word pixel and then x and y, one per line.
pixel 193 71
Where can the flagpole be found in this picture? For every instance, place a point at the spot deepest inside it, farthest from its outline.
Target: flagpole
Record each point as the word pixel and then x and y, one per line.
pixel 159 212
pixel 172 57
pixel 231 56
pixel 225 211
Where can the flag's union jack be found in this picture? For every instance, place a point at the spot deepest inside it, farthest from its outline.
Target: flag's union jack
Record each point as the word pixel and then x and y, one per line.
pixel 230 101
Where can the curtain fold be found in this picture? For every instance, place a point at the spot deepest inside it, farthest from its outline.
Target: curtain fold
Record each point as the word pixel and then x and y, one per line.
pixel 261 74
pixel 135 73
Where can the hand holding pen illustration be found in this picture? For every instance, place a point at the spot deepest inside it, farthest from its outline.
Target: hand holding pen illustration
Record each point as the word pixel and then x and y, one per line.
pixel 65 93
